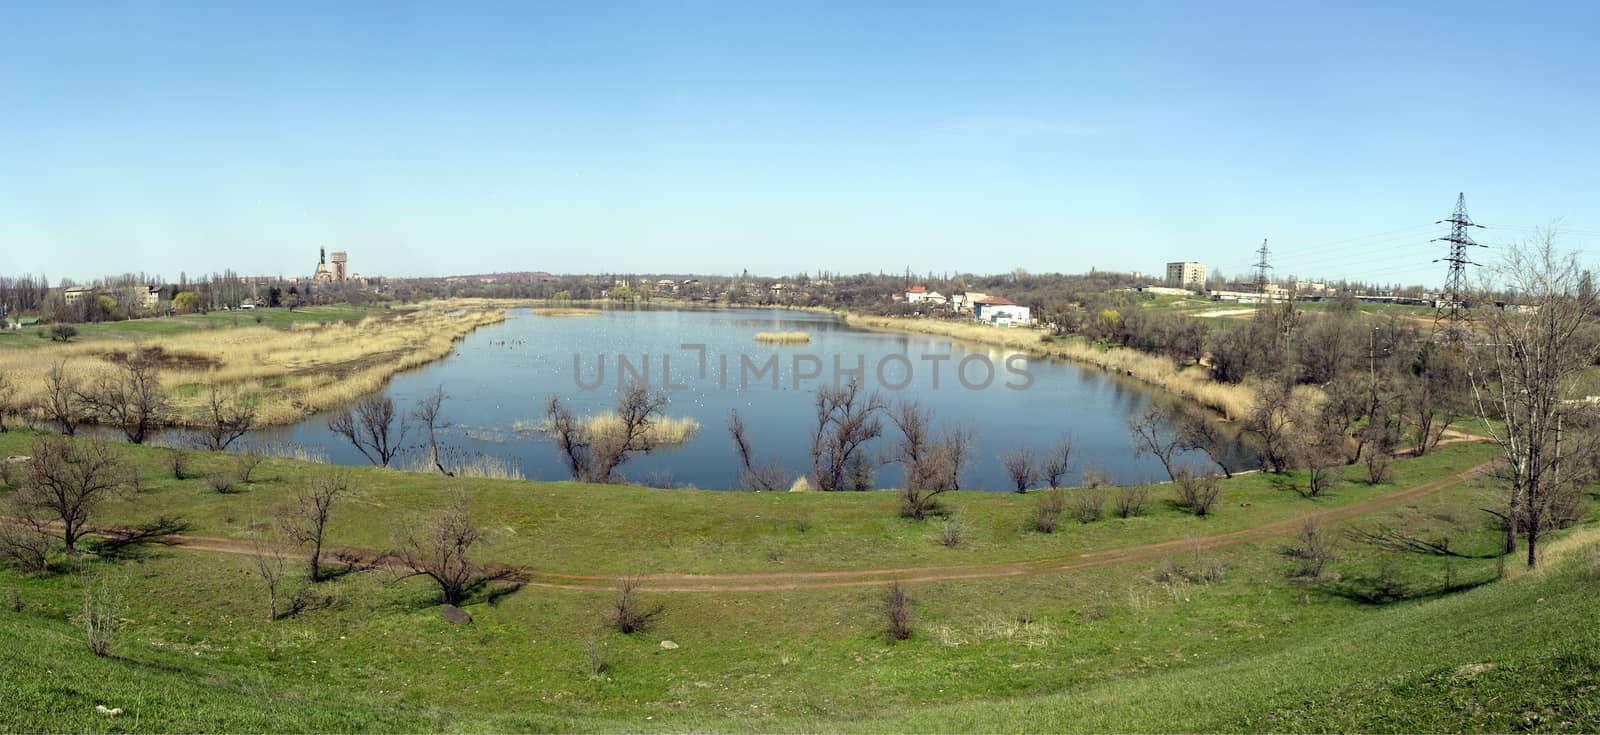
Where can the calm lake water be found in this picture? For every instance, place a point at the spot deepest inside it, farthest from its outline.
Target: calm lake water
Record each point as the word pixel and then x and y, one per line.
pixel 503 374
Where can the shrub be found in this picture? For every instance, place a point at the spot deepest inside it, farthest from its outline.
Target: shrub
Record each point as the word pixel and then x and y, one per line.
pixel 178 462
pixel 1088 505
pixel 1047 511
pixel 628 614
pixel 1197 493
pixel 952 531
pixel 247 464
pixel 896 608
pixel 220 483
pixel 1132 501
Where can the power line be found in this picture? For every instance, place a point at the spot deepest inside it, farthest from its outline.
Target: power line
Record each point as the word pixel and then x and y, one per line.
pixel 1262 266
pixel 1450 314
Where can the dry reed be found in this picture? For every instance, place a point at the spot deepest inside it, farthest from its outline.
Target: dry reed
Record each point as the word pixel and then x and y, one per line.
pixel 784 338
pixel 286 374
pixel 1233 401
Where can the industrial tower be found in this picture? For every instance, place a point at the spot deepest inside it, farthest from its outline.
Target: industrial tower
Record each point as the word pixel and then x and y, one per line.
pixel 1452 315
pixel 1262 266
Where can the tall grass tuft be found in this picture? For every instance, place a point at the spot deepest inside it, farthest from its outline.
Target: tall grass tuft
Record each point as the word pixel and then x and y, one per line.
pixel 784 338
pixel 666 431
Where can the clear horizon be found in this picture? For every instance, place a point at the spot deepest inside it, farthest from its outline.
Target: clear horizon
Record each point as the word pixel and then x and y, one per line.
pixel 432 139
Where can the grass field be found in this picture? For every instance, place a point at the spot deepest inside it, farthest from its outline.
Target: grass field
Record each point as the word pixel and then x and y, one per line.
pixel 1199 638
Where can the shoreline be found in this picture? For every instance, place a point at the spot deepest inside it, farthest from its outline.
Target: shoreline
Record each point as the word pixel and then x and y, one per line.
pixel 1231 401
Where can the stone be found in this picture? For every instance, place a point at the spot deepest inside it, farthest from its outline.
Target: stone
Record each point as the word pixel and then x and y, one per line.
pixel 669 645
pixel 455 615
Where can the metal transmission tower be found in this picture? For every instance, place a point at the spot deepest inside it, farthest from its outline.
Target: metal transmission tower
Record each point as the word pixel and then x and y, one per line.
pixel 1262 266
pixel 1451 313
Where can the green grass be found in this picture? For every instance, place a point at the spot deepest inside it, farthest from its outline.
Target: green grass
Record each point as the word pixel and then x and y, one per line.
pixel 135 329
pixel 1125 647
pixel 560 526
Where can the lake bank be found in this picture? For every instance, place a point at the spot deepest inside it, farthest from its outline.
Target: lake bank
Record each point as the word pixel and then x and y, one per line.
pixel 1232 401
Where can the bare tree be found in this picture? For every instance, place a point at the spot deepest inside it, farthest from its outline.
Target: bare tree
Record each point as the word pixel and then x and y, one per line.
pixel 932 464
pixel 61 404
pixel 1154 433
pixel 229 418
pixel 442 552
pixel 271 567
pixel 130 396
pixel 1312 549
pixel 1057 462
pixel 428 413
pixel 1320 449
pixel 1272 421
pixel 753 475
pixel 25 536
pixel 594 455
pixel 1198 431
pixel 1434 393
pixel 846 419
pixel 374 428
pixel 1019 465
pixel 1524 372
pixel 305 519
pixel 64 482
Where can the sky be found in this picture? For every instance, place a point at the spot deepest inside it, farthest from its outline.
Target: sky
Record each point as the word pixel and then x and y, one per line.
pixel 592 137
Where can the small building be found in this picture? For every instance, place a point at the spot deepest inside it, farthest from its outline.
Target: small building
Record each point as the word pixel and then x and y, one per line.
pixel 915 294
pixel 1165 291
pixel 963 301
pixel 75 294
pixel 1001 312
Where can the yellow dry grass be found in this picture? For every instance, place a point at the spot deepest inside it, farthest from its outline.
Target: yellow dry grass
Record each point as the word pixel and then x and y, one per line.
pixel 285 373
pixel 665 431
pixel 564 311
pixel 784 338
pixel 1233 401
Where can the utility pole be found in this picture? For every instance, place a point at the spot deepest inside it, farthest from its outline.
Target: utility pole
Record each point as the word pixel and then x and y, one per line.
pixel 1451 317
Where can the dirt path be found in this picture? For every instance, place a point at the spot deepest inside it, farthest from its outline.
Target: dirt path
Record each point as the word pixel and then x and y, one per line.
pixel 783 581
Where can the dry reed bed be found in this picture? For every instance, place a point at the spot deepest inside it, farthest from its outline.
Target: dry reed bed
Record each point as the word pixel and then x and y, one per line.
pixel 564 311
pixel 784 338
pixel 1232 401
pixel 286 373
pixel 664 431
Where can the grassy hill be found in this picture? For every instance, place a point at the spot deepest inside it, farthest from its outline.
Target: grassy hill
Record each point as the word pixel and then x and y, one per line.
pixel 1197 636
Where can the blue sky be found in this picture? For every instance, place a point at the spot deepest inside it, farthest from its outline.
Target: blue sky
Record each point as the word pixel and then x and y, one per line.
pixel 439 138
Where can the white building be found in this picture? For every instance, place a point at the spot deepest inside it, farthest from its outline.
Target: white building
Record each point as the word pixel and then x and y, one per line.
pixel 916 294
pixel 1187 274
pixel 965 300
pixel 1001 312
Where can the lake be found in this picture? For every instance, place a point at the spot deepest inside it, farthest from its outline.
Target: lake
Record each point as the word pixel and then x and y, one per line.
pixel 502 375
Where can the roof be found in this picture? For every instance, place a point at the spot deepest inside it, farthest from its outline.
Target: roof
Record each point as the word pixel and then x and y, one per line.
pixel 995 301
pixel 916 289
